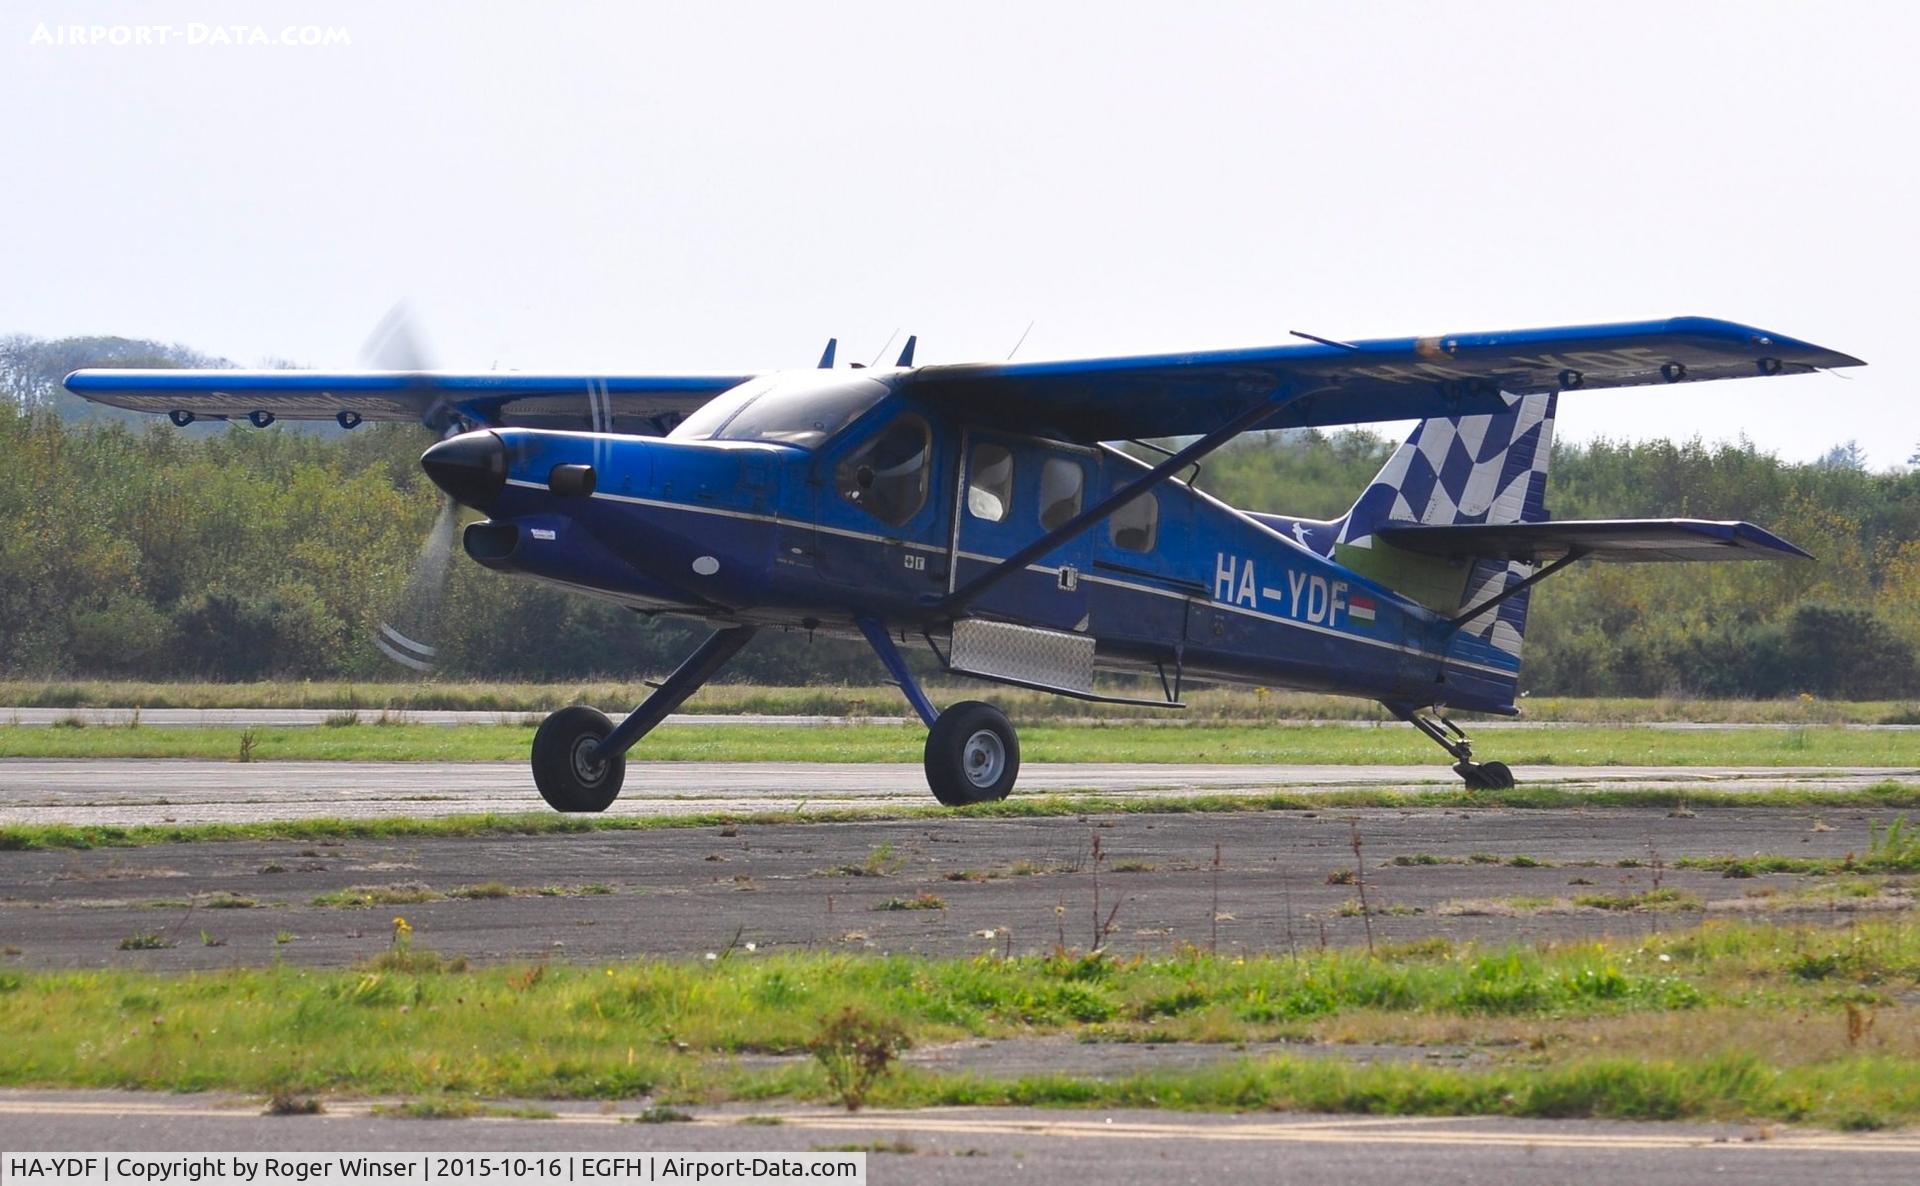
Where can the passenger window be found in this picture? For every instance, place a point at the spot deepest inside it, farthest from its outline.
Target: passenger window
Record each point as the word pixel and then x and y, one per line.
pixel 1136 526
pixel 990 483
pixel 887 476
pixel 1060 483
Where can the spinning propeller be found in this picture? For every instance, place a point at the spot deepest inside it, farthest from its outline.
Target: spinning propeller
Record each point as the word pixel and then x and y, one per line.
pixel 395 345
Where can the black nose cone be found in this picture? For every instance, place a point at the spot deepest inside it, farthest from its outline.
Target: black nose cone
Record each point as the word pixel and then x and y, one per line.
pixel 471 467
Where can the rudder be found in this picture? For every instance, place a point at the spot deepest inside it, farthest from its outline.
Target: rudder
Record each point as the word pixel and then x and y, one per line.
pixel 1463 469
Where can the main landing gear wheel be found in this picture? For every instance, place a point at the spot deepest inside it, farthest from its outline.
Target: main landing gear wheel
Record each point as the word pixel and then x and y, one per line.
pixel 973 754
pixel 568 779
pixel 1485 776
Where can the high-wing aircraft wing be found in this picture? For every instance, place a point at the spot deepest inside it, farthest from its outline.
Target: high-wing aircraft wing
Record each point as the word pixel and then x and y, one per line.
pixel 1087 400
pixel 618 403
pixel 1352 383
pixel 1628 540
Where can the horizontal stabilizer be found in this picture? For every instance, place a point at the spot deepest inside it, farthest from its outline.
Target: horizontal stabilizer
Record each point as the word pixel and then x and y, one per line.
pixel 1619 540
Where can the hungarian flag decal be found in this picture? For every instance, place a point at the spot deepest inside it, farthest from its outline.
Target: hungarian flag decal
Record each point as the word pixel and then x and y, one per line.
pixel 1360 610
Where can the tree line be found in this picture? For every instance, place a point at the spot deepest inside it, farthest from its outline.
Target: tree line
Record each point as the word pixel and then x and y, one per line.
pixel 133 549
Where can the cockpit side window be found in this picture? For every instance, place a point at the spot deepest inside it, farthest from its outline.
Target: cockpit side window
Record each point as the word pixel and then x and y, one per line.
pixel 887 477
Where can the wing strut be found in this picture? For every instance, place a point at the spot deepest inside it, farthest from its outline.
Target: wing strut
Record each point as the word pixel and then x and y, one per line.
pixel 1463 617
pixel 1246 421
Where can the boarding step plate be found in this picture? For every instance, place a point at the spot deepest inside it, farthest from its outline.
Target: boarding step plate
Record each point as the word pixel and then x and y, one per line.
pixel 1024 655
pixel 1028 657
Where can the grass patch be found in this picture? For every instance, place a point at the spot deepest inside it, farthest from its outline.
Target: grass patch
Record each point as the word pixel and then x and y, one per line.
pixel 454 1108
pixel 661 1114
pixel 1660 901
pixel 1225 703
pixel 408 960
pixel 1353 908
pixel 1893 848
pixel 366 897
pixel 881 861
pixel 924 900
pixel 227 900
pixel 1855 1094
pixel 484 892
pixel 1094 741
pixel 1657 901
pixel 1729 1020
pixel 896 1145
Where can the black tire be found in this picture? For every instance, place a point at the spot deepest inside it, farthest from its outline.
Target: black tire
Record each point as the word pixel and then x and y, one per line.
pixel 1485 776
pixel 566 780
pixel 973 754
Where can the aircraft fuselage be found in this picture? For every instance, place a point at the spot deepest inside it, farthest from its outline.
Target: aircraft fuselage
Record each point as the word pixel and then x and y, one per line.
pixel 777 535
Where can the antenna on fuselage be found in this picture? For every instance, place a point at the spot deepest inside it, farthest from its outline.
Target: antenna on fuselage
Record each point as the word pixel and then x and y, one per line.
pixel 1298 333
pixel 882 352
pixel 906 352
pixel 1021 342
pixel 826 358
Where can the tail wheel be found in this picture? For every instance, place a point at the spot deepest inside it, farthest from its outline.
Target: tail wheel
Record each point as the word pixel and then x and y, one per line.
pixel 1485 776
pixel 569 779
pixel 973 754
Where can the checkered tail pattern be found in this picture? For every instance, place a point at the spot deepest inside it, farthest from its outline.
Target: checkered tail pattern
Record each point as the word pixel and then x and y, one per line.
pixel 1469 469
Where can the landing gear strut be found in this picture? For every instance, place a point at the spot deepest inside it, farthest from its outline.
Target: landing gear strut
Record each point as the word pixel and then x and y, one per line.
pixel 1479 776
pixel 580 757
pixel 973 753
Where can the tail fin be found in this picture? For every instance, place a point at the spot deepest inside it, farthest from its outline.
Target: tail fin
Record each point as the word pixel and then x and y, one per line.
pixel 1463 469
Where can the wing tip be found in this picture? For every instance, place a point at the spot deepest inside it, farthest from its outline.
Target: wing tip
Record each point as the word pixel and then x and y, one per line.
pixel 1752 336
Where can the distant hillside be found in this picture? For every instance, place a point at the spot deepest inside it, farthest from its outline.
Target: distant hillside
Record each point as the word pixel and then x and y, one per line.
pixel 31 370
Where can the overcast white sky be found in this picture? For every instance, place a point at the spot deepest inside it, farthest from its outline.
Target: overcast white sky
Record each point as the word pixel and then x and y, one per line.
pixel 720 187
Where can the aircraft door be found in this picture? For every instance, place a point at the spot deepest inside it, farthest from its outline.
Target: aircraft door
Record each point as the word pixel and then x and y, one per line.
pixel 1015 490
pixel 878 524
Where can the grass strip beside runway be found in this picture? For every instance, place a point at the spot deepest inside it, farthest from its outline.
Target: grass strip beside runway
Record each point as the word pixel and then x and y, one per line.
pixel 370 698
pixel 33 837
pixel 1730 1021
pixel 1270 744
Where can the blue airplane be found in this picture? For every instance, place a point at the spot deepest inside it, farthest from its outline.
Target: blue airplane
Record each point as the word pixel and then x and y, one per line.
pixel 986 511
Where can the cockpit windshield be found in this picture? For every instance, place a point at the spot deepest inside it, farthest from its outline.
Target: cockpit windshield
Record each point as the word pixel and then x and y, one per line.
pixel 800 410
